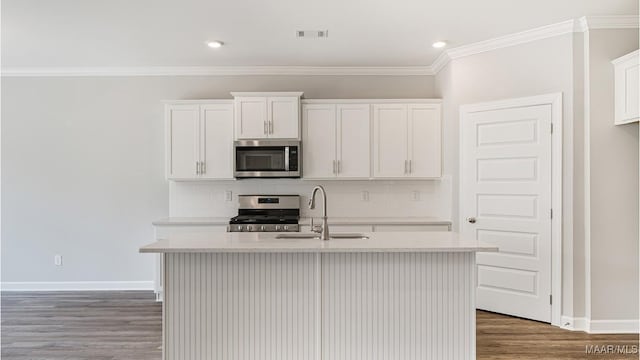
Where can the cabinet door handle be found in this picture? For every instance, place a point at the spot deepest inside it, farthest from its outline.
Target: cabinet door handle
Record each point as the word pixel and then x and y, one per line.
pixel 197 167
pixel 334 166
pixel 405 166
pixel 264 128
pixel 410 166
pixel 203 167
pixel 271 127
pixel 339 166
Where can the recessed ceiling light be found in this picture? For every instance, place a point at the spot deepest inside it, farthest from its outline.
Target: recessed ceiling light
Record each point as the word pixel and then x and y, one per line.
pixel 439 44
pixel 215 44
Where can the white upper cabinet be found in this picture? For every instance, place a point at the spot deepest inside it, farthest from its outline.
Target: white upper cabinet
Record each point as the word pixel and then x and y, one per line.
pixel 425 141
pixel 283 117
pixel 216 139
pixel 627 88
pixel 318 141
pixel 353 124
pixel 199 141
pixel 390 141
pixel 251 117
pixel 336 141
pixel 267 115
pixel 182 124
pixel 407 141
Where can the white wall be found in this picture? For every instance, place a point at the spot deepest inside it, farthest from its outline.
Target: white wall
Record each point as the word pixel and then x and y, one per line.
pixel 613 185
pixel 82 164
pixel 386 198
pixel 535 68
pixel 602 287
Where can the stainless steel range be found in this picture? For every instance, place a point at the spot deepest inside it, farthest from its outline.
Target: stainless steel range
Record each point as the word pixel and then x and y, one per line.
pixel 268 213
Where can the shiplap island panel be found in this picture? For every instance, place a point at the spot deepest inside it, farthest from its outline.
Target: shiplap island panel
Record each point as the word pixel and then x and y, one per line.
pixel 251 296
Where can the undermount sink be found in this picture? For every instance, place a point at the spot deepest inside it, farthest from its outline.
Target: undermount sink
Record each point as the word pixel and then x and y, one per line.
pixel 317 236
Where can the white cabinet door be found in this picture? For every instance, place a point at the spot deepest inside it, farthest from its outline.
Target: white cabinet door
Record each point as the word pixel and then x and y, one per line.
pixel 353 146
pixel 390 129
pixel 283 117
pixel 425 158
pixel 251 118
pixel 627 88
pixel 182 122
pixel 216 137
pixel 318 141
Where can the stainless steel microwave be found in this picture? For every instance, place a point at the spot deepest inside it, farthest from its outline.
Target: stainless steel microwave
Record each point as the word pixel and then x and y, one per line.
pixel 267 159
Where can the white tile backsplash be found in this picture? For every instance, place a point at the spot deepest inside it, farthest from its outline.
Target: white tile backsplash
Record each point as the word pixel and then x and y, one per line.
pixel 386 198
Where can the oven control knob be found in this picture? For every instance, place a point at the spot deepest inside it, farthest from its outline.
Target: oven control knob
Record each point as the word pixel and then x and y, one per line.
pixel 277 227
pixel 249 228
pixel 239 227
pixel 286 228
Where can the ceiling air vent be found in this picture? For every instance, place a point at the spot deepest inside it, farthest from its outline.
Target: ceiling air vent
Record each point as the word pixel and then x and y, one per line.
pixel 312 34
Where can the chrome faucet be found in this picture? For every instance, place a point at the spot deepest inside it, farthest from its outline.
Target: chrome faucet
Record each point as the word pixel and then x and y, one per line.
pixel 324 235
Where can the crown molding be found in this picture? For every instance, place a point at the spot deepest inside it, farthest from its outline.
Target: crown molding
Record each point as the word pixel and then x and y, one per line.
pixel 582 24
pixel 610 22
pixel 218 71
pixel 522 37
pixel 440 62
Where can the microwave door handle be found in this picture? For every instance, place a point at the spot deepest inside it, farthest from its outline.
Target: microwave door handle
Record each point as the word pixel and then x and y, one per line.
pixel 286 158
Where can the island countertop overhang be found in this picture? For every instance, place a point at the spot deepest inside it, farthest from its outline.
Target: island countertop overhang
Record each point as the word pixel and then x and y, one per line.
pixel 268 243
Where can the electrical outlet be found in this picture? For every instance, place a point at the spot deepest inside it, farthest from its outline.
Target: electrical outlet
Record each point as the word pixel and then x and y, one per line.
pixel 415 195
pixel 228 195
pixel 364 196
pixel 57 260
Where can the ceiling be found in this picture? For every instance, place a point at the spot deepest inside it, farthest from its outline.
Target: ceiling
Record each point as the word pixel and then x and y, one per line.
pixel 94 33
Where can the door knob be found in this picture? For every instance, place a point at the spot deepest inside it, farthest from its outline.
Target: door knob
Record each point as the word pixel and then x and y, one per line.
pixel 471 220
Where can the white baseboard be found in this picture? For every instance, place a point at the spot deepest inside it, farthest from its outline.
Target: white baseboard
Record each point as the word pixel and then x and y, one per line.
pixel 600 326
pixel 76 285
pixel 613 327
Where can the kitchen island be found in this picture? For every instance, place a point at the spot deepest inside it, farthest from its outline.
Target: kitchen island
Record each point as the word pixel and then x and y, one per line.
pixel 254 296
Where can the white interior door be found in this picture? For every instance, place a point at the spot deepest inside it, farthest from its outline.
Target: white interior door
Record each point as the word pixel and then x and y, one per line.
pixel 506 201
pixel 319 141
pixel 353 146
pixel 217 141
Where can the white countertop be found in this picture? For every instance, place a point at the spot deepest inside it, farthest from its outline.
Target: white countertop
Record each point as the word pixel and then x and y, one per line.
pixel 431 241
pixel 193 221
pixel 204 221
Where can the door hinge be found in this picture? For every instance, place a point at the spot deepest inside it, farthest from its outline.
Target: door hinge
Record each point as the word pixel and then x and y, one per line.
pixel 552 128
pixel 550 299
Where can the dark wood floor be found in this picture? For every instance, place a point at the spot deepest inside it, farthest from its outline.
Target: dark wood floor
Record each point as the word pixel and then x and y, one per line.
pixel 127 325
pixel 500 337
pixel 81 325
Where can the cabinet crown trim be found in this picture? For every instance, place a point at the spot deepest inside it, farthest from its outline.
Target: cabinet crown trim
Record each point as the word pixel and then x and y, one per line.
pixel 267 94
pixel 199 102
pixel 626 57
pixel 371 101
